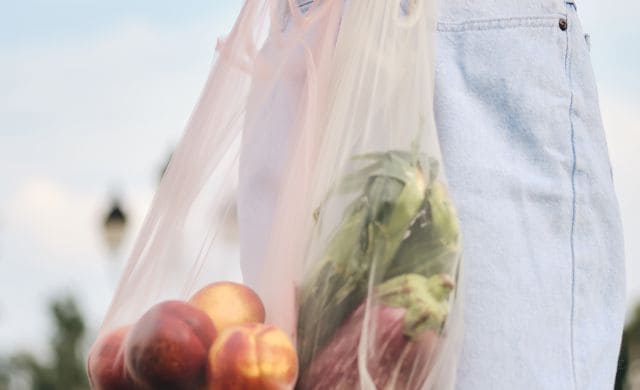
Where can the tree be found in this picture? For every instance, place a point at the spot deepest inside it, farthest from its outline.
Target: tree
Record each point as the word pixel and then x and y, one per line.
pixel 629 351
pixel 4 374
pixel 66 371
pixel 623 364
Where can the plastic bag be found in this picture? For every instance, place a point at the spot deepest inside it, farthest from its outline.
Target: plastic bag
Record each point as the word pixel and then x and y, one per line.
pixel 318 118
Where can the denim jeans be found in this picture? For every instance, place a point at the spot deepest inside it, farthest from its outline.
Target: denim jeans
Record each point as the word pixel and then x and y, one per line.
pixel 528 167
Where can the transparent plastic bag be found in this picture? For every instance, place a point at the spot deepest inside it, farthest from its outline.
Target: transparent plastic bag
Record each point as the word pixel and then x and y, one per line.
pixel 318 116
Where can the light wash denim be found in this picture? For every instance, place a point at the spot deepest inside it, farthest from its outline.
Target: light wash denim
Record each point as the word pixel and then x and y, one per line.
pixel 528 167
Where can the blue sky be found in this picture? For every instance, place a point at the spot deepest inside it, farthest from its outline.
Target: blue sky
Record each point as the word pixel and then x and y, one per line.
pixel 93 96
pixel 43 22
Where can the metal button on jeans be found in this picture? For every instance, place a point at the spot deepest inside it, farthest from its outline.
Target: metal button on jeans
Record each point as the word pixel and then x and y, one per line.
pixel 563 24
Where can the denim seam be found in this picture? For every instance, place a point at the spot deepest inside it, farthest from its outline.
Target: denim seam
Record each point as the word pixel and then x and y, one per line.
pixel 499 24
pixel 568 69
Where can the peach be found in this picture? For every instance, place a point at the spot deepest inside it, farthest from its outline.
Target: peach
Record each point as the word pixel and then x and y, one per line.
pixel 168 346
pixel 229 304
pixel 252 356
pixel 106 366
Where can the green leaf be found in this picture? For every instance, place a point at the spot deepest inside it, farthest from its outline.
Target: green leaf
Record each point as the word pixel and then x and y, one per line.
pixel 425 300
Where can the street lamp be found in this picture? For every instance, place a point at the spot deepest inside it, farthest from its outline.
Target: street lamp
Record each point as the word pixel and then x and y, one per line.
pixel 114 225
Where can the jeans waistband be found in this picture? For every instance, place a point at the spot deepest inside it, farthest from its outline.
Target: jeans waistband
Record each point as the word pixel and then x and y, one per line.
pixel 457 10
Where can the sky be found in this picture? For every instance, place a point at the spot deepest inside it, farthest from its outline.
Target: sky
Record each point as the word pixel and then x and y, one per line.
pixel 94 96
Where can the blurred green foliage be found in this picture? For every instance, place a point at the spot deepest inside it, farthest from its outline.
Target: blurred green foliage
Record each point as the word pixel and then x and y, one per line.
pixel 623 365
pixel 4 375
pixel 632 334
pixel 629 350
pixel 66 370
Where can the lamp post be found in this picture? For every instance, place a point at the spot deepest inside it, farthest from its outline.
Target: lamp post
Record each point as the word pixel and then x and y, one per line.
pixel 114 225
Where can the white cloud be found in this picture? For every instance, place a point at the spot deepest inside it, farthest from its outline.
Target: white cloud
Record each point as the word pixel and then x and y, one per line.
pixel 62 223
pixel 57 221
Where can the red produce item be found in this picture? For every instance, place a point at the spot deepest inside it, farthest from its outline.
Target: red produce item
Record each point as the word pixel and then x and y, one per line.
pixel 168 347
